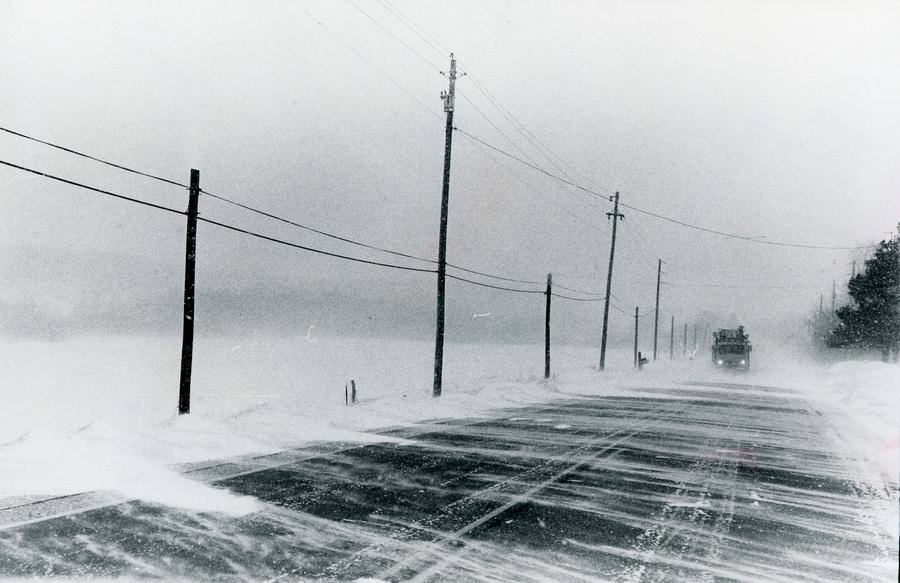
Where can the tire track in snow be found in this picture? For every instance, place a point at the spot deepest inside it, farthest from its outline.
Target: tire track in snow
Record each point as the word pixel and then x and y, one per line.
pixel 451 524
pixel 690 529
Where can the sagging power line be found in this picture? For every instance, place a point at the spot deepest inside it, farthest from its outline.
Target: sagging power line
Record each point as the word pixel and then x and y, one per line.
pixel 662 217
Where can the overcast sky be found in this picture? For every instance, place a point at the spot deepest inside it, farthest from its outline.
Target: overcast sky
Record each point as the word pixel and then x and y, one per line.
pixel 772 120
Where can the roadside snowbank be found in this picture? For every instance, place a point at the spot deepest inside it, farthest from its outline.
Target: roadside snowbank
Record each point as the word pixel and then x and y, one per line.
pixel 99 414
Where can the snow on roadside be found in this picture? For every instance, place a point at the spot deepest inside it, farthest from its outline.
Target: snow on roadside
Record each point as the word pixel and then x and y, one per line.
pixel 861 400
pixel 98 414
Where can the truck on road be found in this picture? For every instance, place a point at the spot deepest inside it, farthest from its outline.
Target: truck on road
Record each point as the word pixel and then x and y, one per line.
pixel 731 348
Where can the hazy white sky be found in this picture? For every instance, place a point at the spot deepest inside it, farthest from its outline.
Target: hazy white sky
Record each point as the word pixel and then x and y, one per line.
pixel 776 120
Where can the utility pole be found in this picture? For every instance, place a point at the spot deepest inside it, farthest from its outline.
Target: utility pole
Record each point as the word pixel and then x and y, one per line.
pixel 694 349
pixel 616 215
pixel 187 339
pixel 636 311
pixel 821 308
pixel 656 311
pixel 684 342
pixel 448 98
pixel 672 340
pixel 547 328
pixel 833 295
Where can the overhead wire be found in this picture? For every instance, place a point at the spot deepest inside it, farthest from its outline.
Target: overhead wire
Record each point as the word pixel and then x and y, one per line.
pixel 574 299
pixel 312 249
pixel 94 158
pixel 277 240
pixel 498 287
pixel 242 206
pixel 654 214
pixel 406 21
pixel 394 36
pixel 94 188
pixel 368 61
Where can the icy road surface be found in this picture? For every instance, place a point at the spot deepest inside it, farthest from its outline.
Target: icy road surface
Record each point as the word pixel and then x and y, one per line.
pixel 708 482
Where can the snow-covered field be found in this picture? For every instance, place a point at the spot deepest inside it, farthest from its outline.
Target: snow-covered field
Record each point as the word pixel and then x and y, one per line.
pixel 89 414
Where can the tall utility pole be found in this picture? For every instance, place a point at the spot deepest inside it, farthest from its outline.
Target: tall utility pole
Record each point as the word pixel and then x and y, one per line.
pixel 694 346
pixel 448 98
pixel 656 311
pixel 616 215
pixel 636 317
pixel 672 340
pixel 190 258
pixel 547 328
pixel 684 342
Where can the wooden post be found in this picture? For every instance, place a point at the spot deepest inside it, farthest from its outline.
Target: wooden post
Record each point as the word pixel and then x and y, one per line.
pixel 187 339
pixel 636 308
pixel 616 215
pixel 684 343
pixel 442 235
pixel 352 391
pixel 346 395
pixel 549 293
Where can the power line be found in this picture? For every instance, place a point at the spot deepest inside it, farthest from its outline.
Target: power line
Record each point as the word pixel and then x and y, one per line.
pixel 530 165
pixel 312 249
pixel 653 214
pixel 565 297
pixel 579 291
pixel 93 188
pixel 361 244
pixel 406 21
pixel 368 61
pixel 314 230
pixel 394 36
pixel 509 289
pixel 94 158
pixel 516 123
pixel 235 203
pixel 742 237
pixel 277 240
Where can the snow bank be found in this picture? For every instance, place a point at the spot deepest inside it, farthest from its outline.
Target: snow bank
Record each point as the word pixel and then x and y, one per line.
pixel 100 414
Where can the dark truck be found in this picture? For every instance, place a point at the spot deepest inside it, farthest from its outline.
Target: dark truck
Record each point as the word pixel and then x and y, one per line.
pixel 731 348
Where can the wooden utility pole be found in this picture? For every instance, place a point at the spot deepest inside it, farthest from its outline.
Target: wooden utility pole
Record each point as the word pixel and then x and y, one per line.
pixel 656 311
pixel 636 316
pixel 547 328
pixel 672 340
pixel 448 98
pixel 616 215
pixel 684 342
pixel 694 348
pixel 187 339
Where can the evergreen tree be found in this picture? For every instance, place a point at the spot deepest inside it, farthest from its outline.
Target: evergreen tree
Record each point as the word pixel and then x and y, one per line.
pixel 873 321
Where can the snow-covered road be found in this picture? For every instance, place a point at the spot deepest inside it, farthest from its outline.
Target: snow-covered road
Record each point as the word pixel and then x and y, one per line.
pixel 703 482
